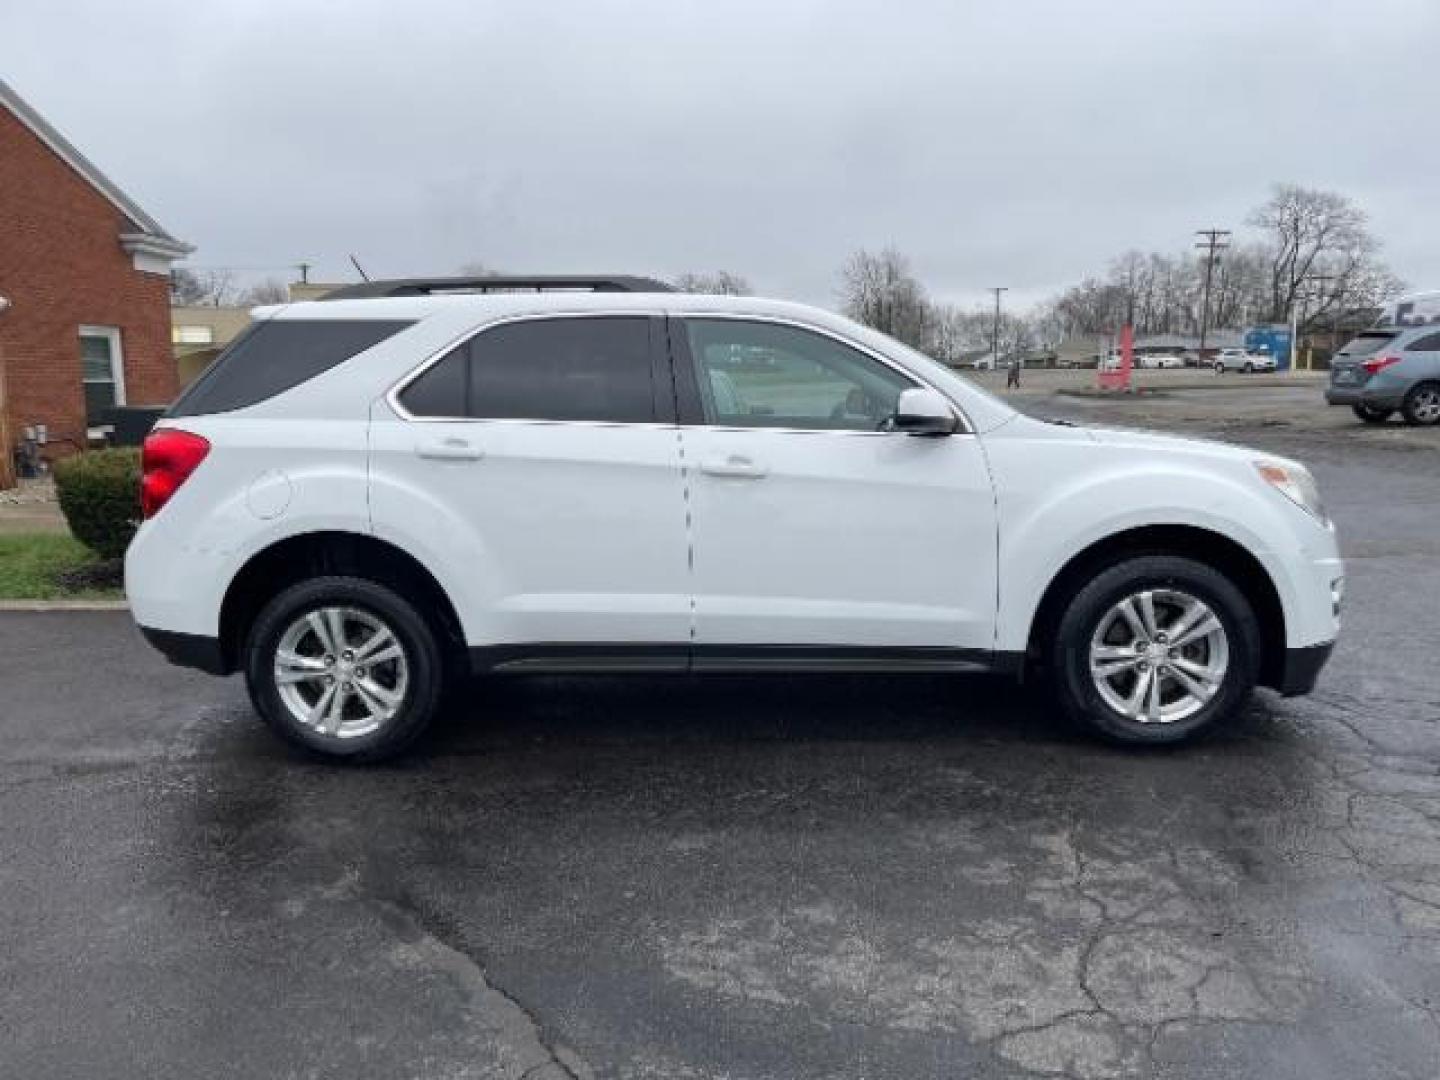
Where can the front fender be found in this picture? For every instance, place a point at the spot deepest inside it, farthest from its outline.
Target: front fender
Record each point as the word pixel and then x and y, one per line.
pixel 1044 525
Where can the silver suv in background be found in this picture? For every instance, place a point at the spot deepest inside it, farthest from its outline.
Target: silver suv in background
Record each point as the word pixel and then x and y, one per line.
pixel 1389 369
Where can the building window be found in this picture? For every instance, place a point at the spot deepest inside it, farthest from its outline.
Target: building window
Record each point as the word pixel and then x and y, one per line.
pixel 192 335
pixel 103 370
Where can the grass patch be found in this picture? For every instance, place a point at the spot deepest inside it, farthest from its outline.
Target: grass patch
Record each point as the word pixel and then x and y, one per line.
pixel 54 566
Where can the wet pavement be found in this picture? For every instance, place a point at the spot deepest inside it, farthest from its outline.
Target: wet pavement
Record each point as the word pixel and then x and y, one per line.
pixel 743 878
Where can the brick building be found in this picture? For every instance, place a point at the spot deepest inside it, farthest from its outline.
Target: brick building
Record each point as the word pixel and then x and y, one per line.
pixel 86 273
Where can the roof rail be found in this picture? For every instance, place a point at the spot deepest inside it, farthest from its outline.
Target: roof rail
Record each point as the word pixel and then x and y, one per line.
pixel 499 283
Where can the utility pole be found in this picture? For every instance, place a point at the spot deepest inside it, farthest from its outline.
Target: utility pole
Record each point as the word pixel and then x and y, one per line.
pixel 1214 242
pixel 1320 281
pixel 304 269
pixel 995 334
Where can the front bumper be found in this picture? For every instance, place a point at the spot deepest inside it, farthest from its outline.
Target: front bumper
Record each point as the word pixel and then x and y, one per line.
pixel 1302 668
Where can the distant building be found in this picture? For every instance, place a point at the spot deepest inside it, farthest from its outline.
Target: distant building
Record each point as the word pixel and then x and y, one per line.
pixel 199 331
pixel 1086 350
pixel 87 275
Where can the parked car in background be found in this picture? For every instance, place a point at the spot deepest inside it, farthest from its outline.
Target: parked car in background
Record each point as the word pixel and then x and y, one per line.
pixel 366 499
pixel 1389 370
pixel 1160 360
pixel 1242 360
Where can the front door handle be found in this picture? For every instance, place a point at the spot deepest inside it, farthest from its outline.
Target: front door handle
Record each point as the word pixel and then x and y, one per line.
pixel 449 448
pixel 734 465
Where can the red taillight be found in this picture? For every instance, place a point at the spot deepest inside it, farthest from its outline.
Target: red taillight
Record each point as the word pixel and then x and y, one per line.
pixel 166 462
pixel 1377 364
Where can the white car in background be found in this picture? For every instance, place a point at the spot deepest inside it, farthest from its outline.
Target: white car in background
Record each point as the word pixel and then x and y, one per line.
pixel 1160 360
pixel 1243 361
pixel 366 499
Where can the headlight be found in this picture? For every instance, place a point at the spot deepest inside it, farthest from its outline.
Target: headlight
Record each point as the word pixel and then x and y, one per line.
pixel 1296 484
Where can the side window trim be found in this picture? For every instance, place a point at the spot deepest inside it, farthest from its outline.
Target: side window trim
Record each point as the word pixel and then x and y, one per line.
pixel 687 388
pixel 661 375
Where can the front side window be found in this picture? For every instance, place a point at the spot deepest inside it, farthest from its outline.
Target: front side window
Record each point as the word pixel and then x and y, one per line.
pixel 759 374
pixel 101 371
pixel 592 368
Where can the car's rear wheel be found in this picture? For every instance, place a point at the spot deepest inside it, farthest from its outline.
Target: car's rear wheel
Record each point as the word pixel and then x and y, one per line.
pixel 1219 368
pixel 345 668
pixel 1372 414
pixel 1249 368
pixel 1422 404
pixel 1156 649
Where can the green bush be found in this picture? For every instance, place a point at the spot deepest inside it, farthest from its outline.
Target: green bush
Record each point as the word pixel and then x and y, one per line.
pixel 100 496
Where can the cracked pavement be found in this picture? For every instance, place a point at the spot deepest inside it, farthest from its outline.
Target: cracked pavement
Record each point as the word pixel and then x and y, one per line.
pixel 744 878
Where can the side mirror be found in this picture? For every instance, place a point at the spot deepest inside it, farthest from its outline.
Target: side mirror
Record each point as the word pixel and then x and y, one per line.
pixel 924 412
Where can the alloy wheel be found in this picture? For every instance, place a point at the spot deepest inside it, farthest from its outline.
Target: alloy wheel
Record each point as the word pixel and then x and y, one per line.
pixel 341 671
pixel 1425 406
pixel 1159 656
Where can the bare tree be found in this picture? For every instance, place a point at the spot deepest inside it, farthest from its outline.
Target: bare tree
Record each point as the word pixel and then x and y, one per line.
pixel 720 283
pixel 1308 233
pixel 269 291
pixel 213 288
pixel 879 290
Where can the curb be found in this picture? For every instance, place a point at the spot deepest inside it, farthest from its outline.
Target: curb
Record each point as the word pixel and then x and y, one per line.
pixel 32 606
pixel 1163 389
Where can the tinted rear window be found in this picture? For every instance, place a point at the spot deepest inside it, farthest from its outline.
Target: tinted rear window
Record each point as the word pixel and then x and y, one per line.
pixel 1365 345
pixel 278 355
pixel 595 368
pixel 1428 343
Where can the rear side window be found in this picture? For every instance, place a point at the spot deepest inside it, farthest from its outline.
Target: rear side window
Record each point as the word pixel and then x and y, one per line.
pixel 1366 345
pixel 598 368
pixel 278 355
pixel 1428 343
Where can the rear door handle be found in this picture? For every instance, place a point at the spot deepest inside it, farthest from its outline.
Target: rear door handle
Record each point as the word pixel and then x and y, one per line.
pixel 737 466
pixel 449 448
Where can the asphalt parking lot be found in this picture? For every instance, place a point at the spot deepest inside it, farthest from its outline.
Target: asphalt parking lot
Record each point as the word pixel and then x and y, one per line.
pixel 747 878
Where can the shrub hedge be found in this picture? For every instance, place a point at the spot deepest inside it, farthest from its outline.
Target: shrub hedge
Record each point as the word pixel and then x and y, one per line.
pixel 99 494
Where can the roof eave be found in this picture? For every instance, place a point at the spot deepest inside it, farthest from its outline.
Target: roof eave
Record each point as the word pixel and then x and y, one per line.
pixel 68 153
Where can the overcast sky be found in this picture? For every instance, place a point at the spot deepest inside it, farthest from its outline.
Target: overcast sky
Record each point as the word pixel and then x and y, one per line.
pixel 997 143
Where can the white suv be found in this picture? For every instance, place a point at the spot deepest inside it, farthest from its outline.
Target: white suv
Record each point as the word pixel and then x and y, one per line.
pixel 1242 360
pixel 368 498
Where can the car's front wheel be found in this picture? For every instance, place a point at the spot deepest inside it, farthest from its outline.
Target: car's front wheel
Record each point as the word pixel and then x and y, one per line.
pixel 344 667
pixel 1372 414
pixel 1156 649
pixel 1219 368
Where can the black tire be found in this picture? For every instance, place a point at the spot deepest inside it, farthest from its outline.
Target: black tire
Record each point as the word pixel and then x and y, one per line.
pixel 419 640
pixel 1421 406
pixel 1082 617
pixel 1249 368
pixel 1219 368
pixel 1371 414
